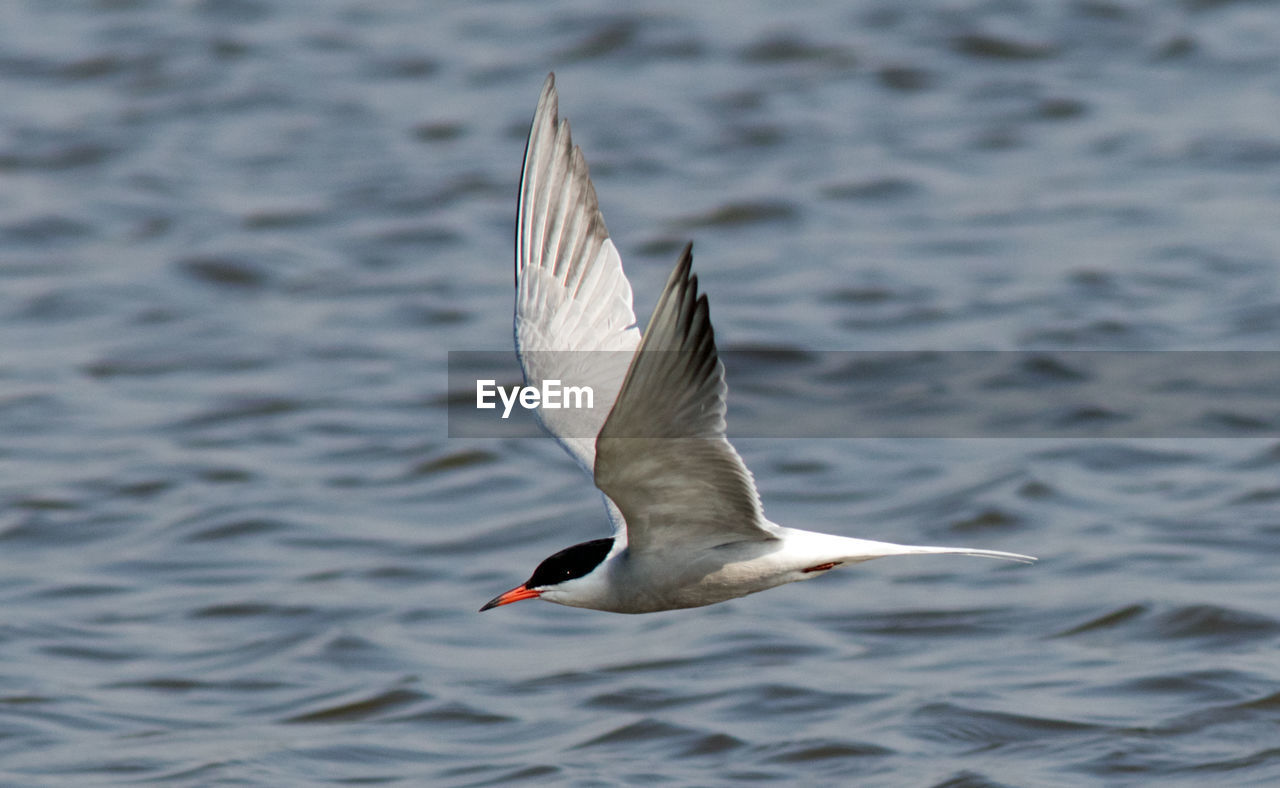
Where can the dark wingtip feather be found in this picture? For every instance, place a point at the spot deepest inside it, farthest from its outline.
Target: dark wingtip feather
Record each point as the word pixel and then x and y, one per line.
pixel 686 258
pixel 680 274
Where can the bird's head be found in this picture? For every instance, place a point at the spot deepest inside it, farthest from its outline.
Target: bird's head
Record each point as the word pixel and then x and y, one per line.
pixel 565 578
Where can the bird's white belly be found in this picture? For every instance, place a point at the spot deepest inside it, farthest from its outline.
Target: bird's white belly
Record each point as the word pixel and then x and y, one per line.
pixel 654 584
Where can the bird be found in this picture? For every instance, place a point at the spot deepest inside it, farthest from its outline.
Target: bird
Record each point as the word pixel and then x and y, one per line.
pixel 688 526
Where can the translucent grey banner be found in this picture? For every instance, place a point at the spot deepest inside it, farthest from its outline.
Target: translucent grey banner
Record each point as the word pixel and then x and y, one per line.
pixel 934 394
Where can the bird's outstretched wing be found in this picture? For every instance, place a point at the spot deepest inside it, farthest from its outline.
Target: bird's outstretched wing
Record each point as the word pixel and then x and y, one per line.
pixel 662 456
pixel 573 319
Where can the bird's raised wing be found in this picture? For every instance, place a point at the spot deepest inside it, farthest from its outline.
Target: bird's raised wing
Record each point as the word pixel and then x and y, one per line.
pixel 662 456
pixel 574 322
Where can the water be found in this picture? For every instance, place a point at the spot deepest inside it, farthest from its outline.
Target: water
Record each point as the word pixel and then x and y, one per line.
pixel 237 240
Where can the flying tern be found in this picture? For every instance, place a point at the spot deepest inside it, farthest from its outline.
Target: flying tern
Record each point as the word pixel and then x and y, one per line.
pixel 689 529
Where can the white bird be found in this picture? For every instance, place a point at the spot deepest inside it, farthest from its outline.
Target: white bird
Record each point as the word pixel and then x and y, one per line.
pixel 688 526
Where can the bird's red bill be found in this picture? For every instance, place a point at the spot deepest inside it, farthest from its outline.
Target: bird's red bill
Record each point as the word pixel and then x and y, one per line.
pixel 514 595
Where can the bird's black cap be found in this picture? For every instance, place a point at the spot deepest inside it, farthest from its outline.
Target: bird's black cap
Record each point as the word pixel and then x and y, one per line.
pixel 570 563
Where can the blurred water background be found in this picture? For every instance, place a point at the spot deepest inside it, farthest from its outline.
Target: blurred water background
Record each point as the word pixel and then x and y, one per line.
pixel 238 238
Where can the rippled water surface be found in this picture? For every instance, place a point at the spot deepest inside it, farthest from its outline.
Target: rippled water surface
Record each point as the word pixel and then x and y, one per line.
pixel 238 238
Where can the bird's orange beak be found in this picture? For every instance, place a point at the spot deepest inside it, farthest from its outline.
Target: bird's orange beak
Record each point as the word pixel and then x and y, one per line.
pixel 514 595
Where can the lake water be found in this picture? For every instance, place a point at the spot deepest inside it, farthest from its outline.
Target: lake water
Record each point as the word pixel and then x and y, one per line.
pixel 238 240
